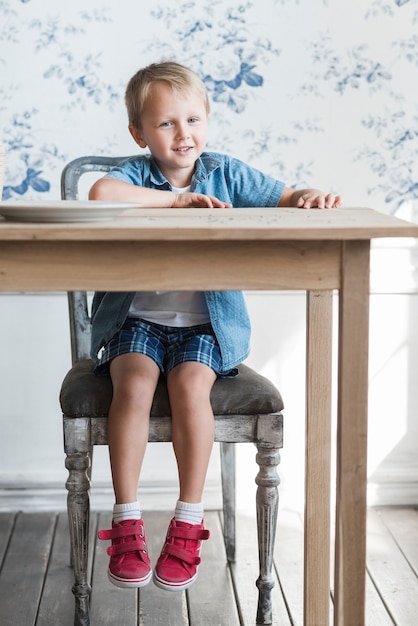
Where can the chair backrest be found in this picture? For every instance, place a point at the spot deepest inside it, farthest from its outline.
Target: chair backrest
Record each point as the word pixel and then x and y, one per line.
pixel 80 326
pixel 74 170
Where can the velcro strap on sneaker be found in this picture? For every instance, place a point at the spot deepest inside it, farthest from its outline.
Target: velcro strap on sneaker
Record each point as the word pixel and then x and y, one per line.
pixel 182 554
pixel 127 546
pixel 122 531
pixel 198 534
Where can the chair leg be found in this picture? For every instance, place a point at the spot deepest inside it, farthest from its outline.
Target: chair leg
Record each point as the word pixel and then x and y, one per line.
pixel 227 451
pixel 78 504
pixel 267 501
pixel 89 470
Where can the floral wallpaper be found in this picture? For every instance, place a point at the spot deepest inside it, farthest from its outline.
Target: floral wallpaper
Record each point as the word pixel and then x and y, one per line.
pixel 315 93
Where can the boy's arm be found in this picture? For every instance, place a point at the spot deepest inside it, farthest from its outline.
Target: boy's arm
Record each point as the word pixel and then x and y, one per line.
pixel 110 189
pixel 307 198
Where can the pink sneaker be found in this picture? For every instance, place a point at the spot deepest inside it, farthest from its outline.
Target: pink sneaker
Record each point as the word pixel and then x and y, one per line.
pixel 177 565
pixel 129 564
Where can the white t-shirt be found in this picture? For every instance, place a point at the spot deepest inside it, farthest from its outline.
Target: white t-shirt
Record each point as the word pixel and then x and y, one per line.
pixel 171 308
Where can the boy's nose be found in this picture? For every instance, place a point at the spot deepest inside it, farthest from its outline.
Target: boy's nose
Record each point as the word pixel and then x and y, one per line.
pixel 182 131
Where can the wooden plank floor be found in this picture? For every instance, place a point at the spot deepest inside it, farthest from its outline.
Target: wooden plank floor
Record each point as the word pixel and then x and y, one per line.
pixel 35 577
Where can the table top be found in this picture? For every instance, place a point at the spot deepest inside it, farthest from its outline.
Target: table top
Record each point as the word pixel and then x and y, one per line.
pixel 145 224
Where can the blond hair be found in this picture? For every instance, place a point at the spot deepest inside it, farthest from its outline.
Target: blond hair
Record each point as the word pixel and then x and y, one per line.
pixel 181 79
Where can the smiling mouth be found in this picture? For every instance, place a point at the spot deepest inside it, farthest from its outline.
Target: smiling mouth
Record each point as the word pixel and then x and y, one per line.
pixel 183 149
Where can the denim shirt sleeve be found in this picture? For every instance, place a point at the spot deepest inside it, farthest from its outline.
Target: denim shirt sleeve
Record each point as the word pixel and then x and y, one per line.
pixel 232 180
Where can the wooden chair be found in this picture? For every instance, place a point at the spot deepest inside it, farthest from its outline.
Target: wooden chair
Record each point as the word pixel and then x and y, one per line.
pixel 247 409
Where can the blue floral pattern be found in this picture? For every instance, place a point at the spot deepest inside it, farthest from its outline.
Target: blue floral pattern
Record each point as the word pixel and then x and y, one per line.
pixel 313 93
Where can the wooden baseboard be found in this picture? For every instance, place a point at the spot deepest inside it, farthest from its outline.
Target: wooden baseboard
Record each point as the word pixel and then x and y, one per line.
pixel 53 497
pixel 396 493
pixel 162 497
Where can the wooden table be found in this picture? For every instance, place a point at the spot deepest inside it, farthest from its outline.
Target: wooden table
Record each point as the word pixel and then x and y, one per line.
pixel 253 249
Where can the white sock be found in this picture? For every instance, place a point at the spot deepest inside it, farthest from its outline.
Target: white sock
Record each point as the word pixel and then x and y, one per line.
pixel 189 512
pixel 130 510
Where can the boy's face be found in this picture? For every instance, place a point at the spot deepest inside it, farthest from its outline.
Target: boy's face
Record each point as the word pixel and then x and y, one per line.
pixel 174 127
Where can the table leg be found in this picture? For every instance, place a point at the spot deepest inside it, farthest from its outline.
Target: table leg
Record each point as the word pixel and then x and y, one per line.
pixel 318 458
pixel 351 495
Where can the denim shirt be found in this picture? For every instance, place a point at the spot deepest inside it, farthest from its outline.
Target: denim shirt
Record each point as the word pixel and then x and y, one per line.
pixel 229 180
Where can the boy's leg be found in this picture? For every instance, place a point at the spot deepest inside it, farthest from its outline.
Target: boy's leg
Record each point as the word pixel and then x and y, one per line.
pixel 134 377
pixel 189 385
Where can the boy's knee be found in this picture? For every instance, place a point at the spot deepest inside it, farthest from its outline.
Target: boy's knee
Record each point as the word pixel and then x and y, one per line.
pixel 190 383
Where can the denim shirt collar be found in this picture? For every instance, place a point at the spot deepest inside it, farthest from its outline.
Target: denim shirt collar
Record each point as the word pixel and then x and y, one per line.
pixel 205 164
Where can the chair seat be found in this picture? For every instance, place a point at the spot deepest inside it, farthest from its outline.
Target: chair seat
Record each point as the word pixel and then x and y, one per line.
pixel 83 394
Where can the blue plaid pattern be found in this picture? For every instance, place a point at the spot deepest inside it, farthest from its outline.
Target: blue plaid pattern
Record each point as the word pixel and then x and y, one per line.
pixel 168 346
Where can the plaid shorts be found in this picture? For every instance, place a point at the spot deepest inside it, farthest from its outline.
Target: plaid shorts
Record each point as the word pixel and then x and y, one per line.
pixel 168 346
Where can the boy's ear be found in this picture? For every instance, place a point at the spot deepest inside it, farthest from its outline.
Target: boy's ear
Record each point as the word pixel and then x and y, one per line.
pixel 137 136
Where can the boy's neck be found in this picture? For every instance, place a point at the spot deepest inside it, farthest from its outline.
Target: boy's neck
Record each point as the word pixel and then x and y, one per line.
pixel 180 178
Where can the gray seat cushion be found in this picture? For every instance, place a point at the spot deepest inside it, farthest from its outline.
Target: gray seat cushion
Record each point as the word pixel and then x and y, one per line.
pixel 85 395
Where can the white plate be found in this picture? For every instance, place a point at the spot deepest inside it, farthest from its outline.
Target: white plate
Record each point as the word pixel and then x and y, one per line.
pixel 63 210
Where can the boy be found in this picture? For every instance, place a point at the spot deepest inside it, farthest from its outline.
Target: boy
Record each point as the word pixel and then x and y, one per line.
pixel 189 337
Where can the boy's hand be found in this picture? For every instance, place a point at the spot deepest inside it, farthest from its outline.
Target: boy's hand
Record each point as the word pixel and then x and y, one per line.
pixel 309 198
pixel 198 200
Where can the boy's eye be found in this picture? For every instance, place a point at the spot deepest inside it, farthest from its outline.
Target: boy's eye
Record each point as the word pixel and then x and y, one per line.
pixel 192 120
pixel 165 124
